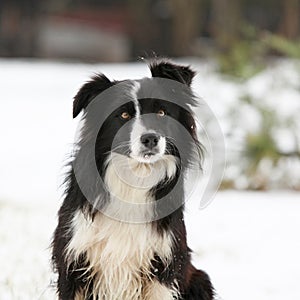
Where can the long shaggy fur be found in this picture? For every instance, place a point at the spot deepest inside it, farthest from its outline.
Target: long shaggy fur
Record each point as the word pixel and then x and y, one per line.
pixel 98 257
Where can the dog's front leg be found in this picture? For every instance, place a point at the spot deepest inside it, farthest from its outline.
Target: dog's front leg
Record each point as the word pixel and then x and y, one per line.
pixel 72 284
pixel 66 286
pixel 156 290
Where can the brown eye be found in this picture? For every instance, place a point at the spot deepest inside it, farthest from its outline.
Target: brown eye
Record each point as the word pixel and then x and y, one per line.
pixel 161 113
pixel 125 115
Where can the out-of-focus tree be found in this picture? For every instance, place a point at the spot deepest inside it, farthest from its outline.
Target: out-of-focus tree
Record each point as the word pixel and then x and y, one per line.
pixel 185 25
pixel 290 20
pixel 225 22
pixel 18 27
pixel 164 27
pixel 150 27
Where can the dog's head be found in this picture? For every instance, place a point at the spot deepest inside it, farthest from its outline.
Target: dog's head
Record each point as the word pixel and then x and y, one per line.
pixel 141 125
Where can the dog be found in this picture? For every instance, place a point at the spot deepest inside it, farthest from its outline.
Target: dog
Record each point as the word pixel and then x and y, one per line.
pixel 121 233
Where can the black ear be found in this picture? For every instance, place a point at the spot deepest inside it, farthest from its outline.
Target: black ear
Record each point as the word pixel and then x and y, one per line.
pixel 166 69
pixel 89 91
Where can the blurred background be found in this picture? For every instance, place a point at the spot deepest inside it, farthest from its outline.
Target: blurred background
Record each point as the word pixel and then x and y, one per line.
pixel 241 38
pixel 117 31
pixel 247 57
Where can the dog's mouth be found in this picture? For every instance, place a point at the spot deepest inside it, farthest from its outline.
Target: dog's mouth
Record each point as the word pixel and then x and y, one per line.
pixel 148 154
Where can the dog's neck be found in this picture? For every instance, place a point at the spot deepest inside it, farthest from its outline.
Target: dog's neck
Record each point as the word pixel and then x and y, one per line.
pixel 131 181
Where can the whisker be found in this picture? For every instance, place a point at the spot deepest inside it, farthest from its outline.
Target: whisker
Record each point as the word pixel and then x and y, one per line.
pixel 119 146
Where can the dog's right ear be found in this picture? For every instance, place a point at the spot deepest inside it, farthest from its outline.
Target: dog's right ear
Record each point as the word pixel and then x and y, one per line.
pixel 89 91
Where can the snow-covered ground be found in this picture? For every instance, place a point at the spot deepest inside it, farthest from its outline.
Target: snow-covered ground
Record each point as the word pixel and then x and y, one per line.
pixel 248 242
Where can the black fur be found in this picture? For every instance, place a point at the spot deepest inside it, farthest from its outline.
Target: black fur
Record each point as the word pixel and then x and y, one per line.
pixel 89 91
pixel 193 284
pixel 165 69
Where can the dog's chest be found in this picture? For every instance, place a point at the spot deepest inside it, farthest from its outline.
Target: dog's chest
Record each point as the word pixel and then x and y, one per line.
pixel 119 255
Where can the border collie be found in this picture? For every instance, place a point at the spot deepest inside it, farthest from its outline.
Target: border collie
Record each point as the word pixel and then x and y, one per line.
pixel 121 232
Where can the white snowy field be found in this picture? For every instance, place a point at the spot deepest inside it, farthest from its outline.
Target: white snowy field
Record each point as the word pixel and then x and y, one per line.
pixel 248 242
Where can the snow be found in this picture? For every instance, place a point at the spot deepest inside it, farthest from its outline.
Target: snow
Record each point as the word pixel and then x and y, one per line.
pixel 247 242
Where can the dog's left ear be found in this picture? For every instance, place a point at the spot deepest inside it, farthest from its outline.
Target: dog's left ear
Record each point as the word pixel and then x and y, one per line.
pixel 89 91
pixel 166 69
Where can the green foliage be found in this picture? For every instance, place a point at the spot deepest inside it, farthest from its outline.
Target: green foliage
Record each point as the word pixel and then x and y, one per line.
pixel 260 153
pixel 262 157
pixel 261 145
pixel 244 58
pixel 241 61
pixel 249 52
pixel 282 45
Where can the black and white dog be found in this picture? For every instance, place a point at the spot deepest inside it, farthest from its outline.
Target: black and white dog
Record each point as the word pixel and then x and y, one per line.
pixel 121 232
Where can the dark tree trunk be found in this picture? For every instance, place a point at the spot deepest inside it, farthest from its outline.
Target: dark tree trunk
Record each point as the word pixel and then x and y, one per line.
pixel 225 22
pixel 185 25
pixel 289 26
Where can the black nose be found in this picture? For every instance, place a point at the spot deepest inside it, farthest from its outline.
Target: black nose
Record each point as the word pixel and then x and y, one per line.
pixel 150 140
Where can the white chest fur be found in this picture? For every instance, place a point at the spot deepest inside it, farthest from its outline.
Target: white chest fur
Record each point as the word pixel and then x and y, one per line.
pixel 119 254
pixel 129 183
pixel 119 257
